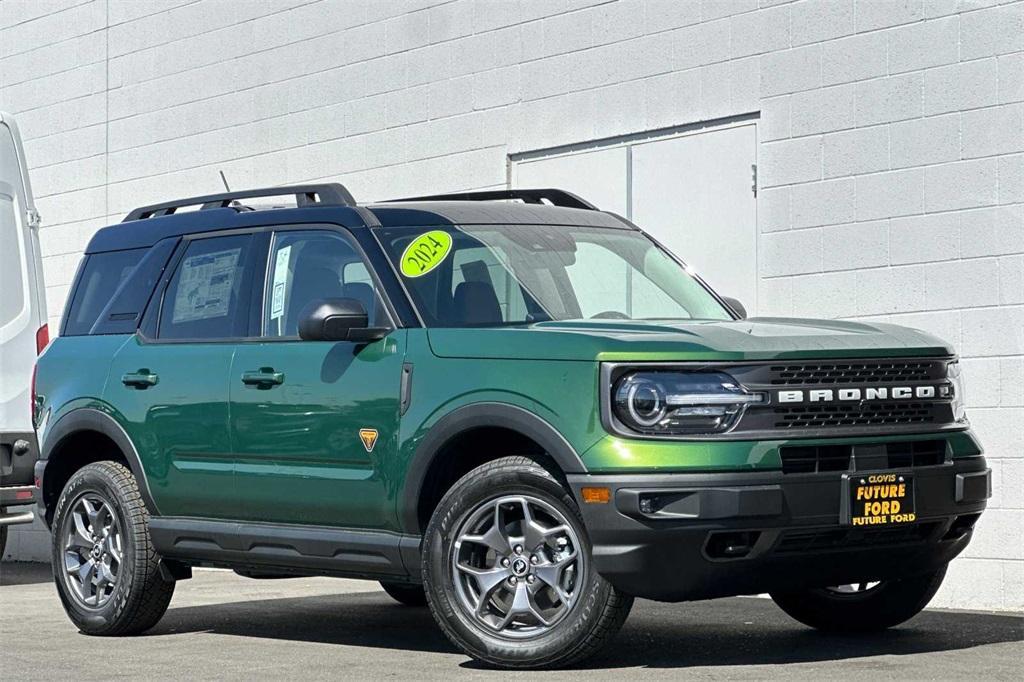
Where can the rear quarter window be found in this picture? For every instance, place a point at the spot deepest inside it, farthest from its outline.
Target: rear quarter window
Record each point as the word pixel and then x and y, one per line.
pixel 102 275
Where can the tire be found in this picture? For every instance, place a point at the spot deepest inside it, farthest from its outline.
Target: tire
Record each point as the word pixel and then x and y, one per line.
pixel 137 596
pixel 3 538
pixel 505 636
pixel 405 593
pixel 882 606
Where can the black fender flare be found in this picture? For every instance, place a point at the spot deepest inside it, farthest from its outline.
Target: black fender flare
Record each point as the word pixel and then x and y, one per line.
pixel 477 415
pixel 91 419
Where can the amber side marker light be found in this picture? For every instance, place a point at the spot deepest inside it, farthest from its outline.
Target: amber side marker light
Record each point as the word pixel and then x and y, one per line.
pixel 595 495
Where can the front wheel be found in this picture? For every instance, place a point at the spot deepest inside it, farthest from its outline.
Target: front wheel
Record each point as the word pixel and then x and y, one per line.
pixel 861 607
pixel 507 570
pixel 107 572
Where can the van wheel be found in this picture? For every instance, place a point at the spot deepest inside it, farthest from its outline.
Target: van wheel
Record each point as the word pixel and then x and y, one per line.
pixel 508 574
pixel 405 593
pixel 106 570
pixel 862 607
pixel 3 538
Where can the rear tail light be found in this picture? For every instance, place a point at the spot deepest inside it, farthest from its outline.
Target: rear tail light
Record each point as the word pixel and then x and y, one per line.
pixel 42 338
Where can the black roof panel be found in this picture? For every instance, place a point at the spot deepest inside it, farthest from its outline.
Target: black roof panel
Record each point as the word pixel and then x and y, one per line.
pixel 397 214
pixel 134 234
pixel 148 231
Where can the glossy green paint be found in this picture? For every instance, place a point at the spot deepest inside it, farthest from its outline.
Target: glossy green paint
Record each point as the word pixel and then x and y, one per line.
pixel 72 376
pixel 298 456
pixel 616 455
pixel 760 339
pixel 212 447
pixel 180 425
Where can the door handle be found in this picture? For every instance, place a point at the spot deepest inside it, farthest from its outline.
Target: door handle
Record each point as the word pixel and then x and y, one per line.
pixel 264 377
pixel 141 380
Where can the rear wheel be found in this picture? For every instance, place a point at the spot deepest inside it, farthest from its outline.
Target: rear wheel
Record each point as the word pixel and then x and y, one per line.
pixel 861 607
pixel 107 572
pixel 405 593
pixel 3 538
pixel 507 570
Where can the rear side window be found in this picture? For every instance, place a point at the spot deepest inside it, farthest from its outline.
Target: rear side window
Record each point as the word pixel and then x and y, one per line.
pixel 102 275
pixel 208 295
pixel 121 315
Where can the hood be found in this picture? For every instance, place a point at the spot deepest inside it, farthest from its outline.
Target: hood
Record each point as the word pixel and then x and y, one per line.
pixel 762 338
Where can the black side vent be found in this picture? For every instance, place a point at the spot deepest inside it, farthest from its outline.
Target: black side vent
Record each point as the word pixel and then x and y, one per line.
pixel 811 459
pixel 916 453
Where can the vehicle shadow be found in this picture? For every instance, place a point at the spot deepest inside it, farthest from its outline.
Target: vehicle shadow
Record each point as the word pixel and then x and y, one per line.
pixel 744 631
pixel 725 632
pixel 366 619
pixel 24 573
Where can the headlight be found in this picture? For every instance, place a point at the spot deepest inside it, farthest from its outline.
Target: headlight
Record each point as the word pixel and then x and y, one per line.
pixel 679 403
pixel 956 380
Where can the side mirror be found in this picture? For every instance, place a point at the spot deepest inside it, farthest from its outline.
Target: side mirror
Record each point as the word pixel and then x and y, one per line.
pixel 736 306
pixel 337 319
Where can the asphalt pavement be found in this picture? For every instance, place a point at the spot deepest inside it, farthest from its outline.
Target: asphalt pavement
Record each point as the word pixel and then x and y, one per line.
pixel 225 627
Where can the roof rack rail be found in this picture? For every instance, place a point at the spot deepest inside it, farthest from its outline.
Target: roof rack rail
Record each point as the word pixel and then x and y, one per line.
pixel 557 197
pixel 305 195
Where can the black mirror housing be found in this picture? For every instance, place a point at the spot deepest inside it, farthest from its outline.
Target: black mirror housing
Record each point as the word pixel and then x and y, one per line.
pixel 736 306
pixel 337 319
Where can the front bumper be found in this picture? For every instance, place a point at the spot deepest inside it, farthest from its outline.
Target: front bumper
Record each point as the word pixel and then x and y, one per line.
pixel 745 533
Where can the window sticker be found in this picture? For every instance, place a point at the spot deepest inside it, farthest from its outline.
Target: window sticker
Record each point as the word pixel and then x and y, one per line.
pixel 204 290
pixel 425 253
pixel 280 285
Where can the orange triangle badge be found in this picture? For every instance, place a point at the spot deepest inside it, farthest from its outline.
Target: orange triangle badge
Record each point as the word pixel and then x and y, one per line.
pixel 369 438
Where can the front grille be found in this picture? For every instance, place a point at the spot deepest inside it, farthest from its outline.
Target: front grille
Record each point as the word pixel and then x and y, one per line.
pixel 796 541
pixel 813 459
pixel 868 372
pixel 837 414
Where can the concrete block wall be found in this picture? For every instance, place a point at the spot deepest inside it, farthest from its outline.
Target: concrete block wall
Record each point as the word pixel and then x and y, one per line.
pixel 891 142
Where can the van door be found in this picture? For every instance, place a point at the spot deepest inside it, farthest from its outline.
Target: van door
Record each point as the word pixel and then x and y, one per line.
pixel 23 330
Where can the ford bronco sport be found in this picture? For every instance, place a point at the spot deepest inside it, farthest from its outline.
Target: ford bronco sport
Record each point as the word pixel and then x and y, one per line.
pixel 509 405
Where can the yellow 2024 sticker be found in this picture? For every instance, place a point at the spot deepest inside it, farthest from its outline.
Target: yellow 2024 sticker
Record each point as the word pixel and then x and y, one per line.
pixel 425 253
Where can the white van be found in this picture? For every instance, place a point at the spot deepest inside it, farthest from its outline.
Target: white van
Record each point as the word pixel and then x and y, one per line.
pixel 23 330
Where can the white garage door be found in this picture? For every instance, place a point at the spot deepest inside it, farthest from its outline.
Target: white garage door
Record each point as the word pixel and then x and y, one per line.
pixel 693 191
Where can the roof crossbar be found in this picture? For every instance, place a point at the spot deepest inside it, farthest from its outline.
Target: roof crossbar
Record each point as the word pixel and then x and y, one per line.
pixel 333 193
pixel 556 197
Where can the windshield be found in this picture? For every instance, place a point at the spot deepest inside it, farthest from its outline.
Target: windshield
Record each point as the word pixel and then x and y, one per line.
pixel 501 275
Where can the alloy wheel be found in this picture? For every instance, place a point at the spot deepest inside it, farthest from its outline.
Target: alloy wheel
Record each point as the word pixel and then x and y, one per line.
pixel 93 550
pixel 517 565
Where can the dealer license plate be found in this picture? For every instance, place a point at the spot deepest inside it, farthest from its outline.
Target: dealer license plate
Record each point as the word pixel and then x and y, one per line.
pixel 880 499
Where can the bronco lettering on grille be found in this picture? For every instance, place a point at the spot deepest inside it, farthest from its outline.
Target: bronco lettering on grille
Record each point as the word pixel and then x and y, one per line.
pixel 827 395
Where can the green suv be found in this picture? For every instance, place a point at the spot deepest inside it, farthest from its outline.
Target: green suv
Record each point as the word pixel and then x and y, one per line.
pixel 510 406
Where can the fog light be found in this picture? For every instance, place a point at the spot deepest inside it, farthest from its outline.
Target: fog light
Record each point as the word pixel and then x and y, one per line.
pixel 649 504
